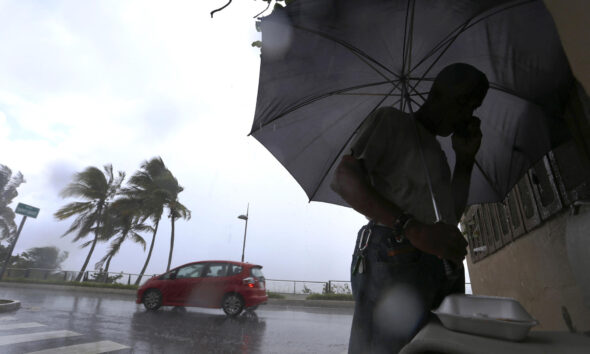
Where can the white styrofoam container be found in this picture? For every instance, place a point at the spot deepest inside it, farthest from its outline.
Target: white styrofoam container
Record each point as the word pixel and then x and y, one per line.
pixel 490 316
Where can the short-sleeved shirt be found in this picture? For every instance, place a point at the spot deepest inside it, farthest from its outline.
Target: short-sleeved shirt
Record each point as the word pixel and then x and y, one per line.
pixel 389 147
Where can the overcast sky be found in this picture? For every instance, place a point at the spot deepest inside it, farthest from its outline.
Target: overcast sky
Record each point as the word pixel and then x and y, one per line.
pixel 91 83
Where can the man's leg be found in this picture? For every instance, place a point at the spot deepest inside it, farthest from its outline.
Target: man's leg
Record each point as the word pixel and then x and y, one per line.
pixel 404 284
pixel 362 320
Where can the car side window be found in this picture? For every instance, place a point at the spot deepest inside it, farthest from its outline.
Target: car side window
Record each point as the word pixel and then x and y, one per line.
pixel 169 275
pixel 217 270
pixel 190 271
pixel 234 269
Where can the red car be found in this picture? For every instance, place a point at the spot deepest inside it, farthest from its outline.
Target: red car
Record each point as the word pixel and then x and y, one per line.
pixel 232 286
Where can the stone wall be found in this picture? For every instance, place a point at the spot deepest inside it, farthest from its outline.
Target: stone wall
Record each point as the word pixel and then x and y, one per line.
pixel 535 269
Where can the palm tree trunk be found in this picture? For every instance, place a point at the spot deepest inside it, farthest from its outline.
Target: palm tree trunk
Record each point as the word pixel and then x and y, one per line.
pixel 171 243
pixel 149 254
pixel 79 277
pixel 106 267
pixel 98 213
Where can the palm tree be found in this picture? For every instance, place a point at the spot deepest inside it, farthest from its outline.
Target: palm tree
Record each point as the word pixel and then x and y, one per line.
pixel 97 189
pixel 176 210
pixel 8 186
pixel 148 187
pixel 125 221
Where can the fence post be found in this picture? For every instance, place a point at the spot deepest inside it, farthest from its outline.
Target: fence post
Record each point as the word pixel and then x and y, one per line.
pixel 294 291
pixel 129 280
pixel 66 275
pixel 46 274
pixel 106 277
pixel 329 286
pixel 27 272
pixel 8 273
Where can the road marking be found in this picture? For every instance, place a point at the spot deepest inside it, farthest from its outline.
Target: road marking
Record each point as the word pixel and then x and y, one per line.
pixel 30 337
pixel 87 348
pixel 7 318
pixel 20 325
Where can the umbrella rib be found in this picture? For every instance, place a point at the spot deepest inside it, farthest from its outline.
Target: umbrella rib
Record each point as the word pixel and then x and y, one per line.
pixel 510 92
pixel 346 144
pixel 362 55
pixel 416 93
pixel 438 57
pixel 452 36
pixel 405 37
pixel 489 180
pixel 494 86
pixel 328 94
pixel 413 101
pixel 407 51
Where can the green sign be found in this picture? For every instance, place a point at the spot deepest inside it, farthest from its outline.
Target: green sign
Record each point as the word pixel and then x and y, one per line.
pixel 27 210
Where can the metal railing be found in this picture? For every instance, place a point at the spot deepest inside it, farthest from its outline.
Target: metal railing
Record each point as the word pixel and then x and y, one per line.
pixel 69 275
pixel 273 285
pixel 318 287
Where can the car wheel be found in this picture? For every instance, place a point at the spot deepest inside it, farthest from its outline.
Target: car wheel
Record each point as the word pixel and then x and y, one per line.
pixel 232 304
pixel 152 299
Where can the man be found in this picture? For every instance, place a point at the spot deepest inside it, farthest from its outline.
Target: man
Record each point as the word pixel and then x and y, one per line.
pixel 398 273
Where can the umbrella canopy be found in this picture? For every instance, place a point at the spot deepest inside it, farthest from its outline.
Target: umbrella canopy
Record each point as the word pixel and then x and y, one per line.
pixel 327 64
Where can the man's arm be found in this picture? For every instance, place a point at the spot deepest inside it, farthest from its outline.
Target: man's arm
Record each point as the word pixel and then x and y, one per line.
pixel 350 182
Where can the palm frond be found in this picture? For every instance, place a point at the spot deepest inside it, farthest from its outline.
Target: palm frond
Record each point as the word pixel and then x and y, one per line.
pixel 6 230
pixel 90 184
pixel 135 237
pixel 85 228
pixel 76 224
pixel 72 209
pixel 86 244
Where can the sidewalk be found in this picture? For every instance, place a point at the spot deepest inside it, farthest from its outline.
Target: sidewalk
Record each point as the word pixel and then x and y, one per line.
pixel 295 300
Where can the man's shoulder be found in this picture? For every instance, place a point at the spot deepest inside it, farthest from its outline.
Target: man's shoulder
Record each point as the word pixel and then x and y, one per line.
pixel 391 116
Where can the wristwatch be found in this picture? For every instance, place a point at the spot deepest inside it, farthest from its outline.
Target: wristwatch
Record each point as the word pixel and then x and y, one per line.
pixel 400 225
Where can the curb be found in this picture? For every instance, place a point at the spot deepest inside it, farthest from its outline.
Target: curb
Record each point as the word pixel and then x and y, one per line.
pixel 78 289
pixel 9 305
pixel 311 303
pixel 132 293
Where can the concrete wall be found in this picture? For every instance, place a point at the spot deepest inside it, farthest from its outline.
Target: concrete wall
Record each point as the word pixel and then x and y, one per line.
pixel 535 269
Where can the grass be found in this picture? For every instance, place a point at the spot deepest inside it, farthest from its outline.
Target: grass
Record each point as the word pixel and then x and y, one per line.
pixel 71 283
pixel 343 297
pixel 272 295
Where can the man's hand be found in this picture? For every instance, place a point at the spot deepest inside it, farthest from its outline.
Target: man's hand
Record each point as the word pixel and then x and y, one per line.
pixel 467 139
pixel 440 239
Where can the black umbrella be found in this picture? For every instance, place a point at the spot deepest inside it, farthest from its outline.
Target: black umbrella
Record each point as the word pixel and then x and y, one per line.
pixel 327 64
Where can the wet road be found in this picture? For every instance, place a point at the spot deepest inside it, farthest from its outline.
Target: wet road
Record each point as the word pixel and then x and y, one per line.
pixel 56 318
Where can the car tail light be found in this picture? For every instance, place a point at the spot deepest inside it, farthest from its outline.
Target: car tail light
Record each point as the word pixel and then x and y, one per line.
pixel 249 281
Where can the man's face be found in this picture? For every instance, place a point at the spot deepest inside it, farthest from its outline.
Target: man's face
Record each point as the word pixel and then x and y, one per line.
pixel 454 113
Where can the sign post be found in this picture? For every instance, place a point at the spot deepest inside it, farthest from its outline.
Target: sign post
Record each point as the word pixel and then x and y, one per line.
pixel 25 210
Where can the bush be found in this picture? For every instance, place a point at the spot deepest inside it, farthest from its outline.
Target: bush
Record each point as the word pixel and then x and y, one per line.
pixel 272 295
pixel 103 277
pixel 71 283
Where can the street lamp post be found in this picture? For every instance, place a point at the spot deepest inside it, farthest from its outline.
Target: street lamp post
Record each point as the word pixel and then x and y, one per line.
pixel 245 217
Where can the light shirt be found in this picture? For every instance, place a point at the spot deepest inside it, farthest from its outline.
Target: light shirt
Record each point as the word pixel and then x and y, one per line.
pixel 388 145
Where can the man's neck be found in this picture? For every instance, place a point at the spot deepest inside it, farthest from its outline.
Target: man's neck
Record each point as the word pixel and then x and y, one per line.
pixel 424 118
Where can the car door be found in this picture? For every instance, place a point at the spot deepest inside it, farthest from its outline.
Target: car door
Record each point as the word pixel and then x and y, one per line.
pixel 168 286
pixel 213 284
pixel 187 280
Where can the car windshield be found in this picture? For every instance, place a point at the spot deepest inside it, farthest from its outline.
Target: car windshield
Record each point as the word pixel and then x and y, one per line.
pixel 257 272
